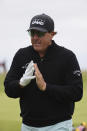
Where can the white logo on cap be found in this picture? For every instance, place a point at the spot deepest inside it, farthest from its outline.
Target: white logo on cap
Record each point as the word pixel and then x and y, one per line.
pixel 38 21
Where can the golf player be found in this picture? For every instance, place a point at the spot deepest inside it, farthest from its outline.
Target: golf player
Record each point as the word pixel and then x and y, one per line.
pixel 47 79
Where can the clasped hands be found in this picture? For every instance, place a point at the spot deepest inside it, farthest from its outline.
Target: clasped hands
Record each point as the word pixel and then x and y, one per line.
pixel 28 76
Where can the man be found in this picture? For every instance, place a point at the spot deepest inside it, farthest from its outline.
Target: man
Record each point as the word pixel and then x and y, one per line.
pixel 47 79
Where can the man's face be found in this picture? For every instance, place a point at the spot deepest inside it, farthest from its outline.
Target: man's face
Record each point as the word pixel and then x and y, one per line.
pixel 40 40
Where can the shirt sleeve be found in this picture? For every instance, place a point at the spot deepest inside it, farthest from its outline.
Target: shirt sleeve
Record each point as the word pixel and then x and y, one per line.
pixel 72 90
pixel 11 83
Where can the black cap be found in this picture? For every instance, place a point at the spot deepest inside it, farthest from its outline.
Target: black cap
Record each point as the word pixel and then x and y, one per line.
pixel 42 23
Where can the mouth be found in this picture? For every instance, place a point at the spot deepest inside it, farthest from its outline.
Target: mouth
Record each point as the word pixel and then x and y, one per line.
pixel 36 43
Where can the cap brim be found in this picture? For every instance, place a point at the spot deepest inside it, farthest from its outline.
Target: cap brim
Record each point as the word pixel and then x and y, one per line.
pixel 37 28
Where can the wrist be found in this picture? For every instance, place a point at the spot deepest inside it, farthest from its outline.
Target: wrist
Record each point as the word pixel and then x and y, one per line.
pixel 21 86
pixel 44 86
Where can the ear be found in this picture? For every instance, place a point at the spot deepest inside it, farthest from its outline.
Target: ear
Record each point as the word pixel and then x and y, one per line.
pixel 53 33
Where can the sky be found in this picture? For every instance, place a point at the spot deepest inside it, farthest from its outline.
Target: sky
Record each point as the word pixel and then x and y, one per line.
pixel 70 18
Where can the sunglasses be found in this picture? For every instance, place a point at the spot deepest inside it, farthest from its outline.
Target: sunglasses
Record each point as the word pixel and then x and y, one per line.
pixel 32 33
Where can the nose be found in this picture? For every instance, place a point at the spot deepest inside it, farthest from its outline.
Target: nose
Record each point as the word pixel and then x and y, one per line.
pixel 35 36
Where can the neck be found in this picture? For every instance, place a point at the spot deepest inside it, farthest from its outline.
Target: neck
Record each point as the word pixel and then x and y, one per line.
pixel 42 54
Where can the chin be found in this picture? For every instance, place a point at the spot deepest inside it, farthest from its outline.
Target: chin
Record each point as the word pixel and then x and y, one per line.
pixel 37 49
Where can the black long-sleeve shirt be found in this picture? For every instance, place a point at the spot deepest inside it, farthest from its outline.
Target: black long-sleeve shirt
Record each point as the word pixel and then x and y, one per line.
pixel 64 86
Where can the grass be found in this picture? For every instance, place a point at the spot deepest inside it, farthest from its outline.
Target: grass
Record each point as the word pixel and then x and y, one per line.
pixel 80 114
pixel 10 112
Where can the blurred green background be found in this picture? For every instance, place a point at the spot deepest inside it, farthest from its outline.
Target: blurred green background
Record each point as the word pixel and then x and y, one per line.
pixel 10 119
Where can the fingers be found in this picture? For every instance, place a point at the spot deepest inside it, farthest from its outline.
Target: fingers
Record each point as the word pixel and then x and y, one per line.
pixel 28 73
pixel 30 67
pixel 30 70
pixel 39 79
pixel 36 69
pixel 30 77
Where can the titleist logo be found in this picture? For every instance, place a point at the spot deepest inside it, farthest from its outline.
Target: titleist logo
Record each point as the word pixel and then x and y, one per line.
pixel 38 21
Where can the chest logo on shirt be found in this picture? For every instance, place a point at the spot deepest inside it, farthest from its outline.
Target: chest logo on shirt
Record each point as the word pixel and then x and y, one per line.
pixel 25 66
pixel 77 72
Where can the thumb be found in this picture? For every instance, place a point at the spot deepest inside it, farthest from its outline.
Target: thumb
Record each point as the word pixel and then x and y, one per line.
pixel 32 77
